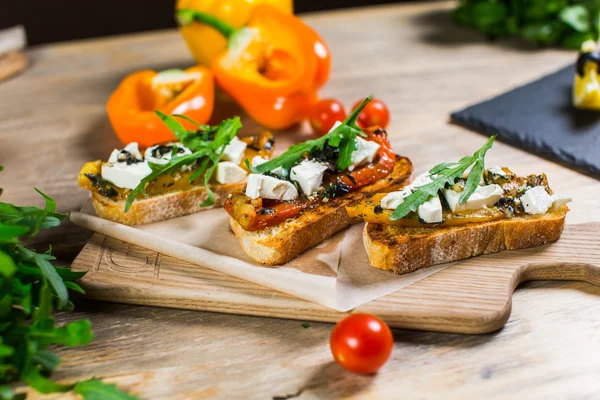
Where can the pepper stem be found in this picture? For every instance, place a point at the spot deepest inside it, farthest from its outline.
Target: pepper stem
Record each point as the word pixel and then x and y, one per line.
pixel 187 17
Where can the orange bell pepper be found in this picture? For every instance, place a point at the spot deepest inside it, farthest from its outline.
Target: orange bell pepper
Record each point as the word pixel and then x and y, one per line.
pixel 131 107
pixel 272 67
pixel 205 42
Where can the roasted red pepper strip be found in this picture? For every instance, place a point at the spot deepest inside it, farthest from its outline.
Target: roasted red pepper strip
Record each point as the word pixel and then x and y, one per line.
pixel 271 212
pixel 372 172
pixel 254 215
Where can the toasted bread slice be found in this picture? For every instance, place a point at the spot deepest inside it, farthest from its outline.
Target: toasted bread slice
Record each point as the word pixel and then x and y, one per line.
pixel 281 243
pixel 407 249
pixel 162 207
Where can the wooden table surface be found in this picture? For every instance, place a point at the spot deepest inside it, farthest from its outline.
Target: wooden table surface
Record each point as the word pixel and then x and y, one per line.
pixel 53 118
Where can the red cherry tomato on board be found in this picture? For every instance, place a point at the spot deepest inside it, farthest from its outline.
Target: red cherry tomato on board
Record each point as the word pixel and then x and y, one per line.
pixel 375 113
pixel 325 114
pixel 361 343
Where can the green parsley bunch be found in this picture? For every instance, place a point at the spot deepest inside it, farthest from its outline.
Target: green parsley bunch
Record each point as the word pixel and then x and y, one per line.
pixel 566 23
pixel 31 289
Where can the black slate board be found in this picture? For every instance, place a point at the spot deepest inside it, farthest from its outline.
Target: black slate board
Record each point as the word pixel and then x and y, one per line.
pixel 539 118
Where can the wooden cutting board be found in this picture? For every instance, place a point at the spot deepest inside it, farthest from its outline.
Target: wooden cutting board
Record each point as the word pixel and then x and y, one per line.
pixel 473 296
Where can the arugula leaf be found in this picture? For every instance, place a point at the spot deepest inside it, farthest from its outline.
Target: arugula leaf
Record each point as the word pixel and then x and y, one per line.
pixel 442 174
pixel 476 171
pixel 190 139
pixel 225 133
pixel 343 137
pixel 212 149
pixel 201 127
pixel 174 164
pixel 95 389
pixel 172 124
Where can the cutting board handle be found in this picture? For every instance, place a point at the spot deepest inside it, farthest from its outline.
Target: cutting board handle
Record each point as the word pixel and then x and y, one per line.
pixel 561 272
pixel 575 257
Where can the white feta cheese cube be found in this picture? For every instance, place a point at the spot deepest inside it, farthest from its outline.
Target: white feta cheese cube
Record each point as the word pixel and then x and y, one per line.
pixel 234 151
pixel 309 175
pixel 228 172
pixel 258 160
pixel 126 168
pixel 431 211
pixel 421 180
pixel 394 199
pixel 125 176
pixel 560 199
pixel 132 148
pixel 268 187
pixel 536 201
pixel 364 153
pixel 483 196
pixel 162 153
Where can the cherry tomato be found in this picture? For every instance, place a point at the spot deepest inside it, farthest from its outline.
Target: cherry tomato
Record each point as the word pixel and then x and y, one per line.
pixel 325 114
pixel 375 113
pixel 361 343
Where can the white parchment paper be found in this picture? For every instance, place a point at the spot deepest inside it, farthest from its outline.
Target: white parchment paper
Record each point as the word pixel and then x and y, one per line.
pixel 335 274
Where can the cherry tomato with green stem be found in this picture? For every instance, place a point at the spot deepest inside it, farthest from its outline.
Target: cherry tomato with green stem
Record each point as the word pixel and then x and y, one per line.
pixel 361 343
pixel 376 113
pixel 325 114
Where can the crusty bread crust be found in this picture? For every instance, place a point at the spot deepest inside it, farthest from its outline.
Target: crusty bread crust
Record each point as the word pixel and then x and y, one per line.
pixel 281 243
pixel 403 250
pixel 162 207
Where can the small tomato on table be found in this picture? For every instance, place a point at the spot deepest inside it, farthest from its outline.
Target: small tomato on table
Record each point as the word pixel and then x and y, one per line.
pixel 361 343
pixel 325 114
pixel 131 107
pixel 376 113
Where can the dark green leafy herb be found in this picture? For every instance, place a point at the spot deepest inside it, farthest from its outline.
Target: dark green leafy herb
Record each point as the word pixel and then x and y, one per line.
pixel 443 174
pixel 342 137
pixel 305 325
pixel 95 389
pixel 31 289
pixel 567 23
pixel 207 148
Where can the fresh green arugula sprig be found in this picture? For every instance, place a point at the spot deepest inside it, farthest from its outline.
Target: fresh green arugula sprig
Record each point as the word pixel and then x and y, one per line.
pixel 206 143
pixel 342 137
pixel 446 173
pixel 31 288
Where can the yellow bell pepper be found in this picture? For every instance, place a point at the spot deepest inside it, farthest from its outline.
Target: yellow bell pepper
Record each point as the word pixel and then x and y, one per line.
pixel 586 85
pixel 205 42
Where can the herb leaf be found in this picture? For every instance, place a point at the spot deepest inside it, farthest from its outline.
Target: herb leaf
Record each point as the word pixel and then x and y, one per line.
pixel 476 171
pixel 190 139
pixel 95 389
pixel 31 289
pixel 172 124
pixel 443 174
pixel 201 147
pixel 49 272
pixel 344 137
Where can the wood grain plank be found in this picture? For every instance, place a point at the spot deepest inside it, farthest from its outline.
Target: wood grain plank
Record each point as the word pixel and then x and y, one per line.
pixel 473 296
